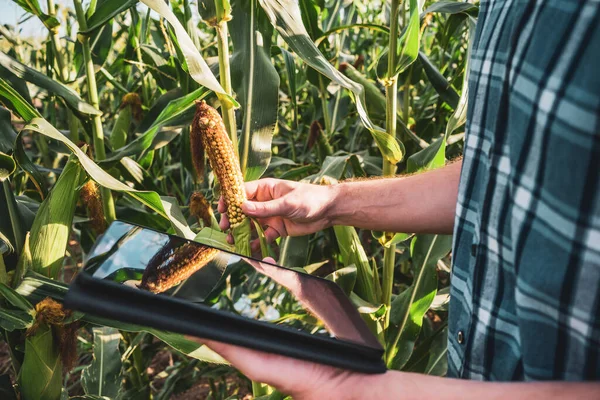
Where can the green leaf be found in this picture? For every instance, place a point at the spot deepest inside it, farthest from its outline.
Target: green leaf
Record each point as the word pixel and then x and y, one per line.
pixel 293 251
pixel 431 157
pixel 16 299
pixel 434 156
pixel 41 373
pixel 37 78
pixel 15 319
pixel 6 246
pixel 7 133
pixel 31 169
pixel 397 238
pixel 241 236
pixel 353 253
pixel 52 225
pixel 24 263
pixel 7 166
pixel 450 7
pixel 344 278
pixel 411 39
pixel 409 308
pixel 364 307
pixel 437 364
pixel 16 102
pixel 197 67
pixel 208 11
pixel 375 100
pixel 256 83
pixel 337 29
pixel 12 223
pixel 33 7
pixel 426 348
pixel 310 11
pixel 107 10
pixel 459 117
pixel 439 81
pixel 103 376
pixel 290 67
pixel 214 238
pixel 286 17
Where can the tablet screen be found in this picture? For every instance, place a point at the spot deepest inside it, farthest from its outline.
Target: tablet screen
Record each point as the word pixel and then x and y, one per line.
pixel 166 265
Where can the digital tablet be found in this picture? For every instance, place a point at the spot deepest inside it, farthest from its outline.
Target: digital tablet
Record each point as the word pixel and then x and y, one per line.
pixel 138 275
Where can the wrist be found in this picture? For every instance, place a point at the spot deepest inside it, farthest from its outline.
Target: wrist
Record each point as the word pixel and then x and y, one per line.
pixel 332 208
pixel 390 385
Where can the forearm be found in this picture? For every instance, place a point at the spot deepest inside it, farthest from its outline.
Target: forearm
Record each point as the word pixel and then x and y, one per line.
pixel 409 386
pixel 422 203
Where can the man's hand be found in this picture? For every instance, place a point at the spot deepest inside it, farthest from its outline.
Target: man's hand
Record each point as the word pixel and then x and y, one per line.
pixel 422 203
pixel 285 208
pixel 300 379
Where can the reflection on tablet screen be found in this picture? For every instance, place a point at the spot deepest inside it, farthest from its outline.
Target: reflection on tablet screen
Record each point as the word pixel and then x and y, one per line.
pixel 170 266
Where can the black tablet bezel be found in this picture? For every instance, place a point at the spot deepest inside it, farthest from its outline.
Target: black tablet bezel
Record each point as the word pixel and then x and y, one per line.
pixel 106 299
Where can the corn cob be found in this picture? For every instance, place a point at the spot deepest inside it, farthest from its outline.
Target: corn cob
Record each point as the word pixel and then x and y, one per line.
pixel 201 209
pixel 208 134
pixel 90 197
pixel 173 264
pixel 131 107
pixel 324 148
pixel 51 314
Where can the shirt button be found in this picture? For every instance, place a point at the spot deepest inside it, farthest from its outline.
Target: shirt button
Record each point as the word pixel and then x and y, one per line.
pixel 460 337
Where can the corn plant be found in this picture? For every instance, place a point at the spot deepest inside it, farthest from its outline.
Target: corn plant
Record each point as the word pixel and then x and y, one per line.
pixel 101 120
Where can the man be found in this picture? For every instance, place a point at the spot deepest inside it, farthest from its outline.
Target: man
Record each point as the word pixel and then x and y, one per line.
pixel 524 209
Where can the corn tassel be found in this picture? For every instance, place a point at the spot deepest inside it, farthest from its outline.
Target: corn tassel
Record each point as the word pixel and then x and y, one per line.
pixel 208 134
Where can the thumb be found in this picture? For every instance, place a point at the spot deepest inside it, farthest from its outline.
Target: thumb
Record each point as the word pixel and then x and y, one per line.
pixel 264 209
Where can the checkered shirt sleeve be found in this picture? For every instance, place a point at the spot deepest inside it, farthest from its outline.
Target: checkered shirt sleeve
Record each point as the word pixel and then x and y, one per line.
pixel 526 272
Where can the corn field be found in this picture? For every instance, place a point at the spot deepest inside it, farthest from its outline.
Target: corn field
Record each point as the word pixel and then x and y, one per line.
pixel 96 125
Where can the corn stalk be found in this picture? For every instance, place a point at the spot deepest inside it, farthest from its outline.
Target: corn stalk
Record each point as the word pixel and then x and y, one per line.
pixel 389 169
pixel 108 204
pixel 63 69
pixel 223 9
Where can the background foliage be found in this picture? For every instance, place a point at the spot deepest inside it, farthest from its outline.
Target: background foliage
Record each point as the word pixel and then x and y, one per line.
pixel 309 90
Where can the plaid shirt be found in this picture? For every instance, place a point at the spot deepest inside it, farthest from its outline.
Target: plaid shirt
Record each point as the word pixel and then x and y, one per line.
pixel 526 276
